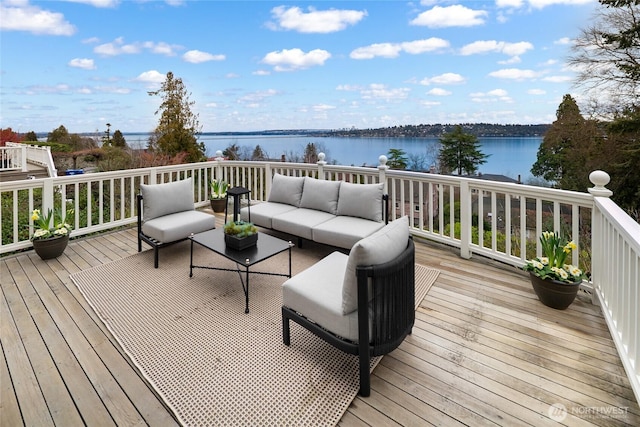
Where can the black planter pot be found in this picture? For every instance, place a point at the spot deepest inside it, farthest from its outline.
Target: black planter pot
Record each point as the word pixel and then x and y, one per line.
pixel 218 205
pixel 52 247
pixel 239 244
pixel 553 293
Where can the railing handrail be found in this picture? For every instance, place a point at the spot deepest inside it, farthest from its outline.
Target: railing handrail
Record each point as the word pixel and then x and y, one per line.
pixel 436 205
pixel 29 153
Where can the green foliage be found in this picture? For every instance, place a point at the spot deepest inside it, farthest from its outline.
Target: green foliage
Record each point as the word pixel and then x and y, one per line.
pixel 240 229
pixel 178 126
pixel 118 140
pixel 218 189
pixel 397 159
pixel 30 137
pixel 460 152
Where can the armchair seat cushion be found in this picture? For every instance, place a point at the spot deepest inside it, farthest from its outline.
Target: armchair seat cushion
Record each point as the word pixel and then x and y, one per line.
pixel 178 226
pixel 344 231
pixel 317 292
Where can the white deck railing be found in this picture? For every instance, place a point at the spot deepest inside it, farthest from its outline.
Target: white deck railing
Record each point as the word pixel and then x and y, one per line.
pixel 15 156
pixel 501 221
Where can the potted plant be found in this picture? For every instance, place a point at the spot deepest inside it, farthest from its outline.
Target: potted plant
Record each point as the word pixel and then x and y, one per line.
pixel 555 282
pixel 218 196
pixel 240 235
pixel 51 234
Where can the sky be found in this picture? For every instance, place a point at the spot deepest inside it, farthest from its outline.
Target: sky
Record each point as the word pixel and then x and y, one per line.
pixel 264 65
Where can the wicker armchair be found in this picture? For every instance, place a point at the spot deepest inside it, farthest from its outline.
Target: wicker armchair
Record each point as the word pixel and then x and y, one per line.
pixel 385 311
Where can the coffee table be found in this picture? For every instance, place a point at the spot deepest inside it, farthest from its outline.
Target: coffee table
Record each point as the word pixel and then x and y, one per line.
pixel 266 247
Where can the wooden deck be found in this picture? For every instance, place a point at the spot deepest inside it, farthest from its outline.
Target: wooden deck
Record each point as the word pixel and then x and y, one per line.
pixel 483 351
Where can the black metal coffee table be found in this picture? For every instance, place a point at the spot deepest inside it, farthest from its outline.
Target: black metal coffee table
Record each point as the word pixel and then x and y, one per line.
pixel 266 247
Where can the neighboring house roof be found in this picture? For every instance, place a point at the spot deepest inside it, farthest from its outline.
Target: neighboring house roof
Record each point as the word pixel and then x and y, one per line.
pixel 494 177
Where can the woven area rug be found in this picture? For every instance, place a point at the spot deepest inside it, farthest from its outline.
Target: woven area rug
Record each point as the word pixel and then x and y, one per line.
pixel 212 363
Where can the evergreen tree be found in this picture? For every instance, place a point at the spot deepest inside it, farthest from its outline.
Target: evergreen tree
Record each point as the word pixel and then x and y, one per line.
pixel 258 154
pixel 61 135
pixel 460 152
pixel 30 137
pixel 118 140
pixel 397 159
pixel 178 126
pixel 565 152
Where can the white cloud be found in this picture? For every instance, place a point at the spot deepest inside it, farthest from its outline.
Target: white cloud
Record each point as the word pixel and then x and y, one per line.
pixel 450 16
pixel 255 98
pixel 314 21
pixel 563 41
pixel 197 57
pixel 558 79
pixel 514 74
pixel 151 76
pixel 392 50
pixel 380 91
pixel 119 47
pixel 537 92
pixel 444 79
pixel 84 63
pixel 495 95
pixel 436 91
pixel 540 4
pixel 386 50
pixel 20 16
pixel 323 107
pixel 98 3
pixel 510 3
pixel 494 46
pixel 295 59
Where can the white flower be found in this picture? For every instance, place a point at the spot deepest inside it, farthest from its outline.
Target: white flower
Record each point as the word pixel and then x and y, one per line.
pixel 40 233
pixel 544 260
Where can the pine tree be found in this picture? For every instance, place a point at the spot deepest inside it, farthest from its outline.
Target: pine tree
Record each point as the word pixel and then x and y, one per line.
pixel 460 152
pixel 178 126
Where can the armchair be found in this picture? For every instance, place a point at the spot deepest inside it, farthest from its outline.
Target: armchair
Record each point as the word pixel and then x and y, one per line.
pixel 362 303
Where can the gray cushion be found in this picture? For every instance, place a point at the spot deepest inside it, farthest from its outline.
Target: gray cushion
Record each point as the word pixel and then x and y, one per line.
pixel 344 231
pixel 382 246
pixel 164 199
pixel 299 222
pixel 320 194
pixel 178 226
pixel 286 189
pixel 263 213
pixel 316 293
pixel 361 200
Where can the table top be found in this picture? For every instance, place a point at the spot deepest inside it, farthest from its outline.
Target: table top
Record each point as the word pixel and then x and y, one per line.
pixel 266 247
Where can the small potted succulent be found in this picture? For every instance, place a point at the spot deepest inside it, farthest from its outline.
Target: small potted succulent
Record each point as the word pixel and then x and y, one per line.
pixel 240 235
pixel 218 195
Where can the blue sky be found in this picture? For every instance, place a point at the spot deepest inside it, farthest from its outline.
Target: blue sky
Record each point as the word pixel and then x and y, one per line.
pixel 257 65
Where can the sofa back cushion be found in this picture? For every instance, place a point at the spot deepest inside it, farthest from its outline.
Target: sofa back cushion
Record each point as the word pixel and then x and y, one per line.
pixel 164 199
pixel 361 200
pixel 320 194
pixel 382 246
pixel 286 189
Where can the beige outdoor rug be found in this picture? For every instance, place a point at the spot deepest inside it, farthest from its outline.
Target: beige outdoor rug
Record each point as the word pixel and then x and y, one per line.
pixel 212 363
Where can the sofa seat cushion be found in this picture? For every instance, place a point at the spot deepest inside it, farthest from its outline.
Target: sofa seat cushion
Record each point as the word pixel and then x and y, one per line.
pixel 361 200
pixel 178 226
pixel 164 199
pixel 382 246
pixel 299 222
pixel 344 231
pixel 286 189
pixel 320 194
pixel 316 293
pixel 262 213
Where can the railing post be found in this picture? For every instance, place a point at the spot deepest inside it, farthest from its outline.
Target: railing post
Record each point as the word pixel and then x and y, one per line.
pixel 23 157
pixel 47 195
pixel 599 179
pixel 465 220
pixel 321 163
pixel 382 171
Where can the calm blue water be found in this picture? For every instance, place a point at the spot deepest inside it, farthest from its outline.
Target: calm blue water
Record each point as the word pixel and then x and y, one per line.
pixel 510 156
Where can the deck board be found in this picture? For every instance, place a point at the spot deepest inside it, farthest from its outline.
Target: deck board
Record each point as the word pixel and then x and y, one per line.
pixel 483 351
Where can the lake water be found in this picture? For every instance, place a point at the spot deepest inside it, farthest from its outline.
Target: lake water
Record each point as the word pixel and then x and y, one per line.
pixel 510 156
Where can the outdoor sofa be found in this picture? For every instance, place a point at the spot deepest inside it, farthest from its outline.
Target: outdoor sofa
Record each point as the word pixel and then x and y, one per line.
pixel 334 213
pixel 166 215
